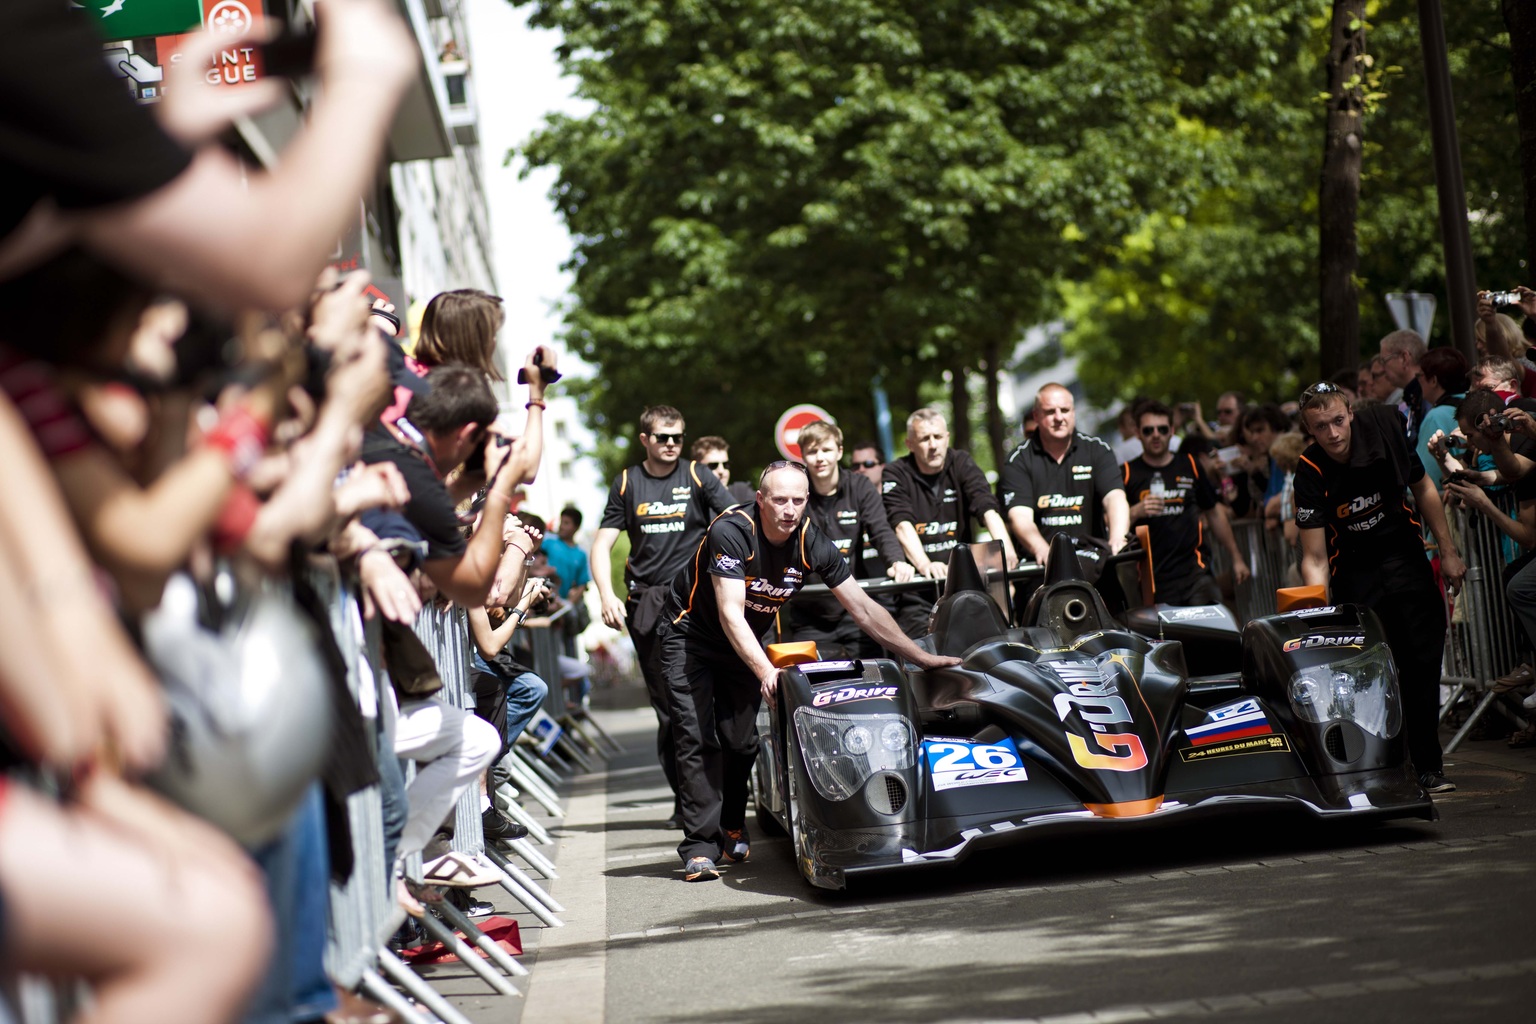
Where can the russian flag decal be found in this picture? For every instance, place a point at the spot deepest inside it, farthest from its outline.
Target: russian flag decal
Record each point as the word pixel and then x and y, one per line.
pixel 1234 721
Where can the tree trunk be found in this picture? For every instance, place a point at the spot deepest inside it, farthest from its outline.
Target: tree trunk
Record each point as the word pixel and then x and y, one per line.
pixel 960 403
pixel 995 425
pixel 1338 198
pixel 1520 19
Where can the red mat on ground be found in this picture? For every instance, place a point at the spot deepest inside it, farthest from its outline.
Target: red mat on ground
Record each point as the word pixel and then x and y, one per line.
pixel 502 931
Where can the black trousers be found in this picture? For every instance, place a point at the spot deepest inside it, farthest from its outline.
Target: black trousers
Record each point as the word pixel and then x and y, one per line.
pixel 1197 588
pixel 643 615
pixel 715 698
pixel 1403 594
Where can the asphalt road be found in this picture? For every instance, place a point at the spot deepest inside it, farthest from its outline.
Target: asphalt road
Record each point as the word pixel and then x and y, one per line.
pixel 1262 918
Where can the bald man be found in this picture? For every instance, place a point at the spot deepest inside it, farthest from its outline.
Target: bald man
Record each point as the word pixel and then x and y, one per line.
pixel 1062 481
pixel 752 560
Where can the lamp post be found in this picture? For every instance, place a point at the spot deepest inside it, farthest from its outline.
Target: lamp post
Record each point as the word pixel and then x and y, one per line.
pixel 1449 187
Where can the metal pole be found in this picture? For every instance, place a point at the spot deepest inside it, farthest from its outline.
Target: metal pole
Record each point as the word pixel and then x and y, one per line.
pixel 1460 283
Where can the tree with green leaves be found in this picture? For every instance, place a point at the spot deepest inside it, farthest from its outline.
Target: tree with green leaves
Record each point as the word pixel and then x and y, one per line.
pixel 775 203
pixel 779 202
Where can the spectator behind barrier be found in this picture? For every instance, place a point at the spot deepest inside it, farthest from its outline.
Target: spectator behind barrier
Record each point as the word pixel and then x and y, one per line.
pixel 1444 382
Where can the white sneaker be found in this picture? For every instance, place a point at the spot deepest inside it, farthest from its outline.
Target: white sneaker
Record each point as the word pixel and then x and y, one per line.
pixel 1529 703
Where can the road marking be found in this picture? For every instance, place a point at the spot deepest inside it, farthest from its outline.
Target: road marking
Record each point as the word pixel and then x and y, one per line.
pixel 1428 846
pixel 1209 1006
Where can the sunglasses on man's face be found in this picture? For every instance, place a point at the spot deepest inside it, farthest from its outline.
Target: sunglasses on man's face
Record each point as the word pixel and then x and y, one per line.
pixel 718 465
pixel 668 438
pixel 866 464
pixel 1157 428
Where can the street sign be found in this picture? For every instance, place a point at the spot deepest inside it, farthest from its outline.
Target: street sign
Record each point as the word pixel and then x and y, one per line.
pixel 786 432
pixel 135 19
pixel 1412 311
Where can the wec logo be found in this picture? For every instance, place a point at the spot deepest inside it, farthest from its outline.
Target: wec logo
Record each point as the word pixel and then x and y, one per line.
pixel 851 693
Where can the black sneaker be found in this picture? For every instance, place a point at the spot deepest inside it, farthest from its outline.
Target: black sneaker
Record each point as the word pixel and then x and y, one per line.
pixel 496 825
pixel 1434 782
pixel 736 847
pixel 673 824
pixel 700 869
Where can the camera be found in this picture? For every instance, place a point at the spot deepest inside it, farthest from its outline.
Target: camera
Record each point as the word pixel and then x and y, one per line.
pixel 1498 422
pixel 549 376
pixel 1504 298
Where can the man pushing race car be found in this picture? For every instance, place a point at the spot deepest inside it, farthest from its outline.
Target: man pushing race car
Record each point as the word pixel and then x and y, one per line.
pixel 753 559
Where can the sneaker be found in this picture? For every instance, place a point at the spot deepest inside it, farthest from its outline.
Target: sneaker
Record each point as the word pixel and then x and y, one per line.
pixel 1434 782
pixel 673 824
pixel 700 869
pixel 1520 678
pixel 480 908
pixel 736 846
pixel 1529 703
pixel 496 825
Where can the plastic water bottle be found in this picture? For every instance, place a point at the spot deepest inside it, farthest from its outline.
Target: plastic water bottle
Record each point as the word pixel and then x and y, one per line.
pixel 1156 488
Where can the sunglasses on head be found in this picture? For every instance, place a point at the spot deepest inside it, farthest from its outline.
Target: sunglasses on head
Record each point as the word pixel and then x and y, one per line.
pixel 668 438
pixel 1156 428
pixel 866 464
pixel 1317 391
pixel 781 464
pixel 718 465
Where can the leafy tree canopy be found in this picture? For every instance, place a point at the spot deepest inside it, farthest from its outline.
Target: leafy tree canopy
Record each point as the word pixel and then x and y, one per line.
pixel 778 202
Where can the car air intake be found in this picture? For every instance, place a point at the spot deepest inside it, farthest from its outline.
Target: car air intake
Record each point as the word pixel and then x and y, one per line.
pixel 1344 741
pixel 886 793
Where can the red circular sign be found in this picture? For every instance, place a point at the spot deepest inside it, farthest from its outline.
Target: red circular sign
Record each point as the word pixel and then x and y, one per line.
pixel 786 432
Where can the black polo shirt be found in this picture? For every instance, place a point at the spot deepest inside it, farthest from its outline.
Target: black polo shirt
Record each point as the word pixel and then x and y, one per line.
pixel 1363 504
pixel 734 548
pixel 1178 532
pixel 665 517
pixel 940 506
pixel 1066 496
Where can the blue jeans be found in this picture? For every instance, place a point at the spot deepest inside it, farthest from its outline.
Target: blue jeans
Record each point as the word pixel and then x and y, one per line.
pixel 525 695
pixel 298 869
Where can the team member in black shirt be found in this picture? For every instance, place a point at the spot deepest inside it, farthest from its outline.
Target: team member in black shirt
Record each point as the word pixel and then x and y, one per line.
pixel 1175 499
pixel 752 559
pixel 847 508
pixel 1062 481
pixel 663 504
pixel 931 495
pixel 1359 533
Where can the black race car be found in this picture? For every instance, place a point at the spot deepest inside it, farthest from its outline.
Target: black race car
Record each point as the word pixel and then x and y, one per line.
pixel 1074 722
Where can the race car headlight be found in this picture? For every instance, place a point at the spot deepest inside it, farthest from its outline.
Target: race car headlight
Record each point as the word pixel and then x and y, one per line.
pixel 1362 690
pixel 842 752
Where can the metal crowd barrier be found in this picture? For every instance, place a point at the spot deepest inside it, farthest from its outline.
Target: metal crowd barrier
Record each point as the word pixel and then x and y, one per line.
pixel 1484 640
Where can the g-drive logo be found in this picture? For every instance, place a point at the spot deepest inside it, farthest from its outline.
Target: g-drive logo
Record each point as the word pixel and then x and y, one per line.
pixel 845 694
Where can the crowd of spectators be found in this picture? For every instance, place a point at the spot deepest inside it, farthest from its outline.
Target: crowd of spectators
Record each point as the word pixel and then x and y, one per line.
pixel 195 442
